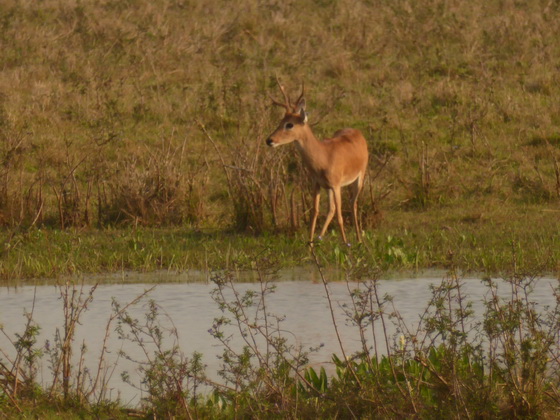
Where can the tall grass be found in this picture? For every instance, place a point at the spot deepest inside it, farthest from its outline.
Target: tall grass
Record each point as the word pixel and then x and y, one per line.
pixel 101 106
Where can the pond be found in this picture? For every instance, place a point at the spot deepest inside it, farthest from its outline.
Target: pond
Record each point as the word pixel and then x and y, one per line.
pixel 302 303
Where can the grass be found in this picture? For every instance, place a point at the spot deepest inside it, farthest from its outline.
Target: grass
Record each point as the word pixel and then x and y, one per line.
pixel 132 134
pixel 409 241
pixel 139 113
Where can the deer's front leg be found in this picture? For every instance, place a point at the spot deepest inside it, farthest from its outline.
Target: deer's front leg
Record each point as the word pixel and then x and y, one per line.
pixel 330 214
pixel 316 202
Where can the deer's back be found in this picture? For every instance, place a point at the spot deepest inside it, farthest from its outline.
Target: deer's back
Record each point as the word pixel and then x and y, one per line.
pixel 348 155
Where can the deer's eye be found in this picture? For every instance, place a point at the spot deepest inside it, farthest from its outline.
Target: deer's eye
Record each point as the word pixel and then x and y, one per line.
pixel 289 126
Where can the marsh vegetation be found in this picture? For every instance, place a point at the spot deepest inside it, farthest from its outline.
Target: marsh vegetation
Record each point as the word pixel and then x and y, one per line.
pixel 495 355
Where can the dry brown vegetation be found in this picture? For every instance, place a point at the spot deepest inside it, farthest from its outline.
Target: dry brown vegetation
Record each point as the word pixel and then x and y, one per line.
pixel 155 112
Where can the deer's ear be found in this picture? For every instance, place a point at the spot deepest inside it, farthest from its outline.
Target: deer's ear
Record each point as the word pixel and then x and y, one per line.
pixel 300 106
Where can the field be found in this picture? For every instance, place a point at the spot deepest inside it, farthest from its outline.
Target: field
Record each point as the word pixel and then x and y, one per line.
pixel 132 134
pixel 153 115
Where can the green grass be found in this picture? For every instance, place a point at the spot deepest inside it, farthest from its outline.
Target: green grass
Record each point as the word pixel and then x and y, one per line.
pixel 51 253
pixel 404 241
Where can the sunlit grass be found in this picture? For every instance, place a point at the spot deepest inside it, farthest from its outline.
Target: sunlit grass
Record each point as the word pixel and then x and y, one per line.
pixel 102 105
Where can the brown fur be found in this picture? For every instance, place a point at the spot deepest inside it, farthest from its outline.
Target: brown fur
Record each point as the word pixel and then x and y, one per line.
pixel 333 163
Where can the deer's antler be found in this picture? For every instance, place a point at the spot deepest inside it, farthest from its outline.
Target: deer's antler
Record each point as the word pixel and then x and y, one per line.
pixel 287 105
pixel 302 93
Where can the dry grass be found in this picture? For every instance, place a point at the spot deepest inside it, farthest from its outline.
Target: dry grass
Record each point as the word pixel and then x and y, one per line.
pixel 101 106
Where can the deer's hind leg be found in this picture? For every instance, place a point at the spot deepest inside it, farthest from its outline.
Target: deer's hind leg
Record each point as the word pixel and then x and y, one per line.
pixel 338 203
pixel 356 188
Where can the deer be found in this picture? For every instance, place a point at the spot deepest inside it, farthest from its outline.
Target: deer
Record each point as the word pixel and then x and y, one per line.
pixel 332 163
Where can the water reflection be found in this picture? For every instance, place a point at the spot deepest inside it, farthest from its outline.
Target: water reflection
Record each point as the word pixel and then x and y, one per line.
pixel 189 305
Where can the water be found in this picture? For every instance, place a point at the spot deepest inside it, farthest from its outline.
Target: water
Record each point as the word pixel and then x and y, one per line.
pixel 190 307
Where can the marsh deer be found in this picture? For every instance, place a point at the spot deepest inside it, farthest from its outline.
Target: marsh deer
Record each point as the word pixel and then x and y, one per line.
pixel 332 163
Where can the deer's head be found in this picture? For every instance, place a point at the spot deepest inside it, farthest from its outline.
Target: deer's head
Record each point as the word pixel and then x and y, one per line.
pixel 294 124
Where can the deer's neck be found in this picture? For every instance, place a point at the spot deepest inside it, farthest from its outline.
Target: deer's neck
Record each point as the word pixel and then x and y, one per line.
pixel 313 152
